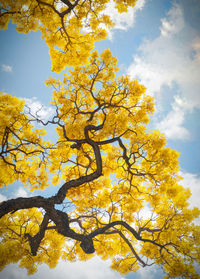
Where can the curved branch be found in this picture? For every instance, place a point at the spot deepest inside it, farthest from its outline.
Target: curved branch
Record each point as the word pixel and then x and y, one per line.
pixel 38 201
pixel 129 228
pixel 12 205
pixel 131 248
pixel 60 196
pixel 36 240
pixel 115 223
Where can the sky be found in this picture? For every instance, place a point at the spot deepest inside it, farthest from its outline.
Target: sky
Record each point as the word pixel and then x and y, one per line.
pixel 157 42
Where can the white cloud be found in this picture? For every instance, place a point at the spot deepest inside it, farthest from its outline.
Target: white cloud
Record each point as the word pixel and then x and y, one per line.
pixel 2 198
pixel 38 109
pixel 21 192
pixel 174 23
pixel 172 124
pixel 6 68
pixel 94 268
pixel 171 59
pixel 192 181
pixel 150 272
pixel 123 21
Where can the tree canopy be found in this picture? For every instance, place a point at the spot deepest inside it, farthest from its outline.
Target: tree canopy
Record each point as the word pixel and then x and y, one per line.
pixel 70 29
pixel 106 167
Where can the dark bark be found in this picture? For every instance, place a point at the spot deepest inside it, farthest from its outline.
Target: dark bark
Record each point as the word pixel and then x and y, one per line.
pixel 13 205
pixel 36 240
pixel 70 7
pixel 59 218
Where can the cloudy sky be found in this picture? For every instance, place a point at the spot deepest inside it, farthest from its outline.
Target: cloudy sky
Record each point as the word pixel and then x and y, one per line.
pixel 157 42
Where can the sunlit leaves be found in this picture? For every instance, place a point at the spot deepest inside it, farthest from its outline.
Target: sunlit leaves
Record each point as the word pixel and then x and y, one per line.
pixel 140 184
pixel 14 245
pixel 23 149
pixel 69 29
pixel 121 181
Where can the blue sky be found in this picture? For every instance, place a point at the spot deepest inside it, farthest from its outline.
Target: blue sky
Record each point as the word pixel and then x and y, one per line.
pixel 157 42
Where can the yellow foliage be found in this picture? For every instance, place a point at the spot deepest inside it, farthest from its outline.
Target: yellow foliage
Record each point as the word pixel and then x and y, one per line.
pixel 128 187
pixel 22 146
pixel 14 246
pixel 139 172
pixel 70 31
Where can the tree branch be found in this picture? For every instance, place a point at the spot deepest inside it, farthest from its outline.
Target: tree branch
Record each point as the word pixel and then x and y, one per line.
pixel 36 240
pixel 13 205
pixel 131 248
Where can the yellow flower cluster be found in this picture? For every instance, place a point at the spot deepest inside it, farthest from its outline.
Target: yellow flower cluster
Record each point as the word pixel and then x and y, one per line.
pixel 139 191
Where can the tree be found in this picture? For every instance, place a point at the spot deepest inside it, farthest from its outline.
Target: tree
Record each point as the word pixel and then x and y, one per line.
pixel 69 29
pixel 110 168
